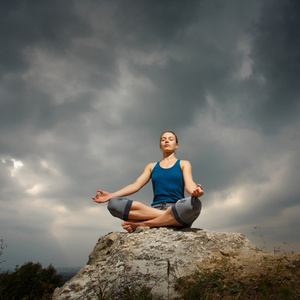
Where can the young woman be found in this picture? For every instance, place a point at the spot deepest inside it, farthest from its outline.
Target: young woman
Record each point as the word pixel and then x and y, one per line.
pixel 169 207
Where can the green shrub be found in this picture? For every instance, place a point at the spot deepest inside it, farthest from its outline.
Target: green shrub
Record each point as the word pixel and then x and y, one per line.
pixel 30 281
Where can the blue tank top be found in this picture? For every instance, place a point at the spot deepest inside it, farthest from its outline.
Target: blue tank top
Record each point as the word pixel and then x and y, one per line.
pixel 168 184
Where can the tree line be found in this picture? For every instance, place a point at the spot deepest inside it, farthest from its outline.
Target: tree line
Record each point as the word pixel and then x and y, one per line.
pixel 29 282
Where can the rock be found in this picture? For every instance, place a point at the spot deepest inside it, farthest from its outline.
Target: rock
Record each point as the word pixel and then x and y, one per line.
pixel 149 257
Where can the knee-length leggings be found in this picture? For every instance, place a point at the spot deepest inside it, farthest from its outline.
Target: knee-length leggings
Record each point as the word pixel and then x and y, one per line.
pixel 185 211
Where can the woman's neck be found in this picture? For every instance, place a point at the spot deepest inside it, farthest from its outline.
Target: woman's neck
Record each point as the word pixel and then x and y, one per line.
pixel 169 156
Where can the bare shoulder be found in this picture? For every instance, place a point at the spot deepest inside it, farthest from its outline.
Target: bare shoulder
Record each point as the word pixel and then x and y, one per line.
pixel 150 167
pixel 185 164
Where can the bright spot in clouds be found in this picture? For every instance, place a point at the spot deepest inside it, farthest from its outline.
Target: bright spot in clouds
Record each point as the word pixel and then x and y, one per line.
pixel 84 100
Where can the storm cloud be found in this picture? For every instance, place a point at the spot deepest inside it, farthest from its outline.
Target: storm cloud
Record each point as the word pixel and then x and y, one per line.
pixel 86 89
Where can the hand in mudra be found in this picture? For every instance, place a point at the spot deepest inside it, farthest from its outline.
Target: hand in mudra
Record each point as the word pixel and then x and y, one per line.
pixel 198 192
pixel 102 197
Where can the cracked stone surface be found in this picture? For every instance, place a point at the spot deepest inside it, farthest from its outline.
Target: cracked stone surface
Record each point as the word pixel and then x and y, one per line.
pixel 149 257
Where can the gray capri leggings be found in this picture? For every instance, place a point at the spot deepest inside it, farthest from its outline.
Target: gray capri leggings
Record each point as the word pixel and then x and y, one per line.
pixel 185 211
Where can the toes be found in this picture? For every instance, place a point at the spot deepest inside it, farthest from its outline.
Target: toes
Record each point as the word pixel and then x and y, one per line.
pixel 127 227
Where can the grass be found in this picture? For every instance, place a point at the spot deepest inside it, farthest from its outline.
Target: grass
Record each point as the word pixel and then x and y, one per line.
pixel 265 276
pixel 278 279
pixel 269 277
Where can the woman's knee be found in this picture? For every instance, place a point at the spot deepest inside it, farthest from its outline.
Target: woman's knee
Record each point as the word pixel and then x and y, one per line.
pixel 119 207
pixel 187 210
pixel 113 206
pixel 196 205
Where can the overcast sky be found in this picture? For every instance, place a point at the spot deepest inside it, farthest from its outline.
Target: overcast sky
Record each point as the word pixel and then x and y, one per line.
pixel 87 87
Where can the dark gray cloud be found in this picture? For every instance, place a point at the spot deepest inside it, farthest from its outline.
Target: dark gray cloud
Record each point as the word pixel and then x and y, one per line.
pixel 24 24
pixel 86 89
pixel 275 54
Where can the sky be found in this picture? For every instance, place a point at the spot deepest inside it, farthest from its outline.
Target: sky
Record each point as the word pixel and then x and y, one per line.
pixel 87 88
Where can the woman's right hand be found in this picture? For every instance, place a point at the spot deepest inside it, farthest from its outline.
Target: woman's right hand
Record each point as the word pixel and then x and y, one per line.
pixel 102 196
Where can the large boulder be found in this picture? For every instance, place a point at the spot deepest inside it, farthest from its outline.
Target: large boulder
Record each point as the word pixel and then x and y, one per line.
pixel 149 257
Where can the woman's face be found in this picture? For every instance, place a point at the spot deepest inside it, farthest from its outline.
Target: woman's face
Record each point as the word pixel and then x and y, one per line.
pixel 168 142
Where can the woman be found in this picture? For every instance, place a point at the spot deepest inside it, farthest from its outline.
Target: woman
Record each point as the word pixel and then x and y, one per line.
pixel 169 207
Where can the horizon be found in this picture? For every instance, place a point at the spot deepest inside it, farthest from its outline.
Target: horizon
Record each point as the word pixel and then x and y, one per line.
pixel 87 88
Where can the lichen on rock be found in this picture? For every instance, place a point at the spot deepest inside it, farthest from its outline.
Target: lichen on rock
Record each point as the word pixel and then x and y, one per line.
pixel 149 257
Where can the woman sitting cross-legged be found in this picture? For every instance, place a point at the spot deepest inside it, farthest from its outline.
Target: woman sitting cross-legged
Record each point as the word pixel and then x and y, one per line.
pixel 169 178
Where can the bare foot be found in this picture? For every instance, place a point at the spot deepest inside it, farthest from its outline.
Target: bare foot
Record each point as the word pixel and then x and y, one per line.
pixel 131 226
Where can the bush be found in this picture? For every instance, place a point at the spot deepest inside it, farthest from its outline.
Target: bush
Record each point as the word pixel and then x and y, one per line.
pixel 30 281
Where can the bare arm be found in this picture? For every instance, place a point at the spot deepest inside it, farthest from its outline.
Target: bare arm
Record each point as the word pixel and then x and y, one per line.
pixel 191 187
pixel 130 189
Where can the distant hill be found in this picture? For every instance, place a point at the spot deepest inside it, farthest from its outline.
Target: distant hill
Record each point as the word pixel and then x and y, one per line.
pixel 67 272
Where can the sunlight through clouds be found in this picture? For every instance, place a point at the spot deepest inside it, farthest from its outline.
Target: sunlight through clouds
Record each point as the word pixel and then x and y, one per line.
pixel 86 90
pixel 13 165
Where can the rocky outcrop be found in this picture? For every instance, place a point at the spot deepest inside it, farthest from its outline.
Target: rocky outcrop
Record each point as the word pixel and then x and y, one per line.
pixel 149 257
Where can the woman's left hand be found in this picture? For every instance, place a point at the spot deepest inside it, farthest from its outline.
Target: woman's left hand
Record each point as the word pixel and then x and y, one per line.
pixel 198 192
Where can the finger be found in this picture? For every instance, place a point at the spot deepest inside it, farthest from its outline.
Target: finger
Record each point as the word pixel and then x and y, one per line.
pixel 98 194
